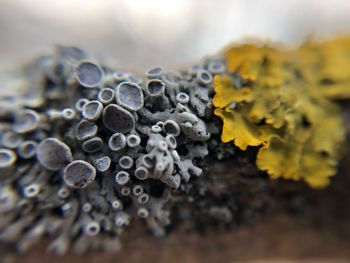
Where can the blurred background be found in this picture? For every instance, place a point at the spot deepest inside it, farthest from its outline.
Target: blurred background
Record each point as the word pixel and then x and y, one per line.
pixel 138 34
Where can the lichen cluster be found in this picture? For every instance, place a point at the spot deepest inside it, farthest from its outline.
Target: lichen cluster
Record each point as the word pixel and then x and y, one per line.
pixel 94 148
pixel 87 149
pixel 279 100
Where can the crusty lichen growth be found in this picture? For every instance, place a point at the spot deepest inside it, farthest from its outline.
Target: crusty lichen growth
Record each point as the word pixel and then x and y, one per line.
pixel 280 102
pixel 88 149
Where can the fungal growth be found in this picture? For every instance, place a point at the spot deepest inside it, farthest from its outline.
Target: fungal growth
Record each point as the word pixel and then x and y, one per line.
pixel 155 88
pixel 92 110
pixel 129 95
pixel 89 74
pixel 103 164
pixel 106 95
pixel 7 158
pixel 27 149
pixel 94 144
pixel 26 121
pixel 85 130
pixel 79 174
pixel 53 154
pixel 117 142
pixel 117 119
pixel 11 139
pixel 101 147
pixel 90 149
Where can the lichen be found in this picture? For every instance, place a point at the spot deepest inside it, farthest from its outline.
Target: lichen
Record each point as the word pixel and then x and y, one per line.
pixel 89 149
pixel 272 99
pixel 99 148
pixel 327 65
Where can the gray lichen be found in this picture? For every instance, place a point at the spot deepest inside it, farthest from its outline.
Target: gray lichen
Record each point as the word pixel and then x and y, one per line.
pixel 53 154
pixel 100 147
pixel 7 158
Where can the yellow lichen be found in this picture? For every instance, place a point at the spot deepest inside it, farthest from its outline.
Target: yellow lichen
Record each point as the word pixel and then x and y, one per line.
pixel 283 106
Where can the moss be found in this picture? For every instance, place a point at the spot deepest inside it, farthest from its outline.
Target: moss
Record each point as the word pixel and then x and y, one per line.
pixel 282 104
